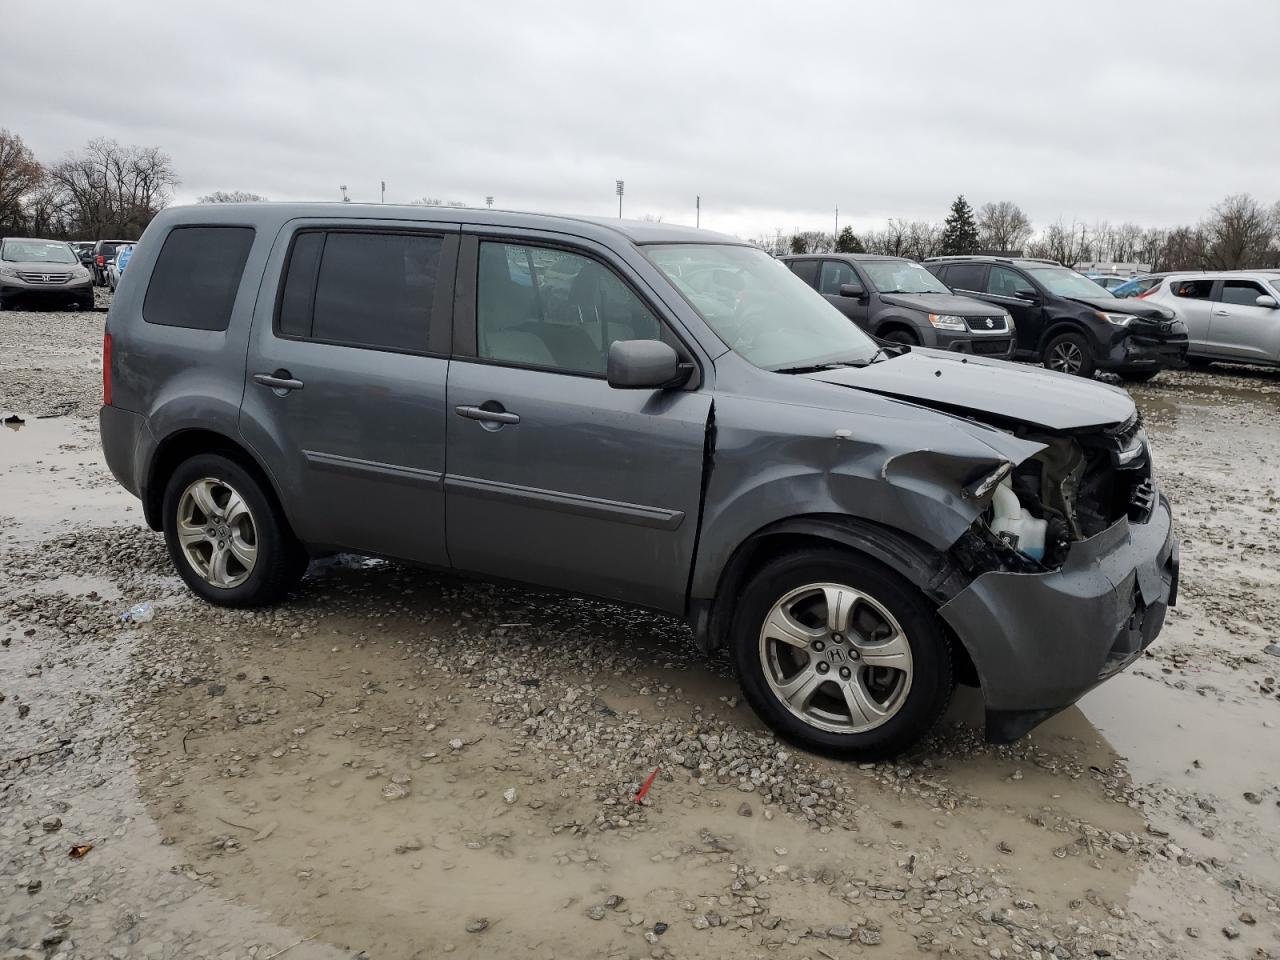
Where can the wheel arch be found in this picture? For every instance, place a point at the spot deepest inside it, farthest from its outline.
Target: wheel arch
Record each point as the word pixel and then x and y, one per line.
pixel 1059 327
pixel 180 446
pixel 897 322
pixel 924 567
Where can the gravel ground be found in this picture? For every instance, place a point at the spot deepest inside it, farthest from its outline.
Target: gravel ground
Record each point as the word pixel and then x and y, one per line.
pixel 397 764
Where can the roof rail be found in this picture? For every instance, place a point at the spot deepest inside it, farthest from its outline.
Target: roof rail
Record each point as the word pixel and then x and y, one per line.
pixel 989 258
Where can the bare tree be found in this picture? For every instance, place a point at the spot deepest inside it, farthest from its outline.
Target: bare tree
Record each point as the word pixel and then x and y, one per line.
pixel 1238 234
pixel 20 176
pixel 1003 227
pixel 231 196
pixel 110 189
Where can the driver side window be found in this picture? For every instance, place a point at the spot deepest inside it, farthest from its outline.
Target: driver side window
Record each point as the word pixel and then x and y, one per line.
pixel 835 273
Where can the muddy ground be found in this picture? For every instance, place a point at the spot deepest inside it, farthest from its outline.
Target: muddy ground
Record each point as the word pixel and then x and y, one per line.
pixel 398 764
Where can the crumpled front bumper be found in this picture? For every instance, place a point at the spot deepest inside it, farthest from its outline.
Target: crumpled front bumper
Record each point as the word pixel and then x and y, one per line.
pixel 1040 641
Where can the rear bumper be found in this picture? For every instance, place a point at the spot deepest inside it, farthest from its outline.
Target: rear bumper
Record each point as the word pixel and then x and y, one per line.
pixel 1041 641
pixel 124 446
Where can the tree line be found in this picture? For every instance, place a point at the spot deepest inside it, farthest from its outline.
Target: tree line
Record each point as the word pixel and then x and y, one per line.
pixel 1238 233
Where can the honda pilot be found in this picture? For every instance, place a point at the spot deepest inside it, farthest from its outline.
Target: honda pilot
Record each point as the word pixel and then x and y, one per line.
pixel 648 414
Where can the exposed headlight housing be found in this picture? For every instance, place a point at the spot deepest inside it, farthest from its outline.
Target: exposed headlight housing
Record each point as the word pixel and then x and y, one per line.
pixel 1119 319
pixel 947 321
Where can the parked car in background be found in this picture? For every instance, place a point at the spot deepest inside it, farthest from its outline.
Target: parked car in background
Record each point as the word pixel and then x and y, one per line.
pixel 104 251
pixel 84 250
pixel 1107 281
pixel 1066 321
pixel 1137 286
pixel 1231 316
pixel 42 273
pixel 896 299
pixel 663 417
pixel 115 268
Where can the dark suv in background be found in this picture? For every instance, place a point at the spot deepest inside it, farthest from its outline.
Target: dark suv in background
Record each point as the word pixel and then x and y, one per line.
pixel 104 251
pixel 896 299
pixel 1066 321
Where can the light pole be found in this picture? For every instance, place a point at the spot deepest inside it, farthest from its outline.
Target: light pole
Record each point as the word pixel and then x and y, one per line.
pixel 384 191
pixel 619 199
pixel 488 202
pixel 345 198
pixel 837 233
pixel 697 206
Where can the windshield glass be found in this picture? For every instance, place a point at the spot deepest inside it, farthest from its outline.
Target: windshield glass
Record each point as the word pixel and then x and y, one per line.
pixel 1062 282
pixel 36 251
pixel 902 276
pixel 763 311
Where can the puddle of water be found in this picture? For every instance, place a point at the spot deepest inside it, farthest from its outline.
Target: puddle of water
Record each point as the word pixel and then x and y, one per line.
pixel 53 478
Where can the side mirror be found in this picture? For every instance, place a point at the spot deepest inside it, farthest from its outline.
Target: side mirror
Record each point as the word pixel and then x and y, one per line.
pixel 1028 295
pixel 1265 301
pixel 645 365
pixel 852 290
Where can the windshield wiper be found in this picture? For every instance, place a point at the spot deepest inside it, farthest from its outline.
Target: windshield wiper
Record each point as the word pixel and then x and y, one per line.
pixel 833 364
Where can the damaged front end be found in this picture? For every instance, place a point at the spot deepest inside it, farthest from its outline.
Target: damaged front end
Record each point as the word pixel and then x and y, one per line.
pixel 1070 568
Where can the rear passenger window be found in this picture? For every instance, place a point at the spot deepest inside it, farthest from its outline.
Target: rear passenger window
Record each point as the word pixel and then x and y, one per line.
pixel 362 289
pixel 965 276
pixel 806 270
pixel 196 276
pixel 1244 293
pixel 1192 289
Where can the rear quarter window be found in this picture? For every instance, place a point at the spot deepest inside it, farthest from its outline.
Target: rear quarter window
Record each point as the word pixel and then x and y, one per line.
pixel 196 276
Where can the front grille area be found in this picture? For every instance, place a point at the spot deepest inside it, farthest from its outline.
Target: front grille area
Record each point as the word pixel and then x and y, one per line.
pixel 32 276
pixel 990 346
pixel 985 324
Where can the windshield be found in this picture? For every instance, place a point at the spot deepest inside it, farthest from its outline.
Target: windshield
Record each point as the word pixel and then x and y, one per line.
pixel 902 276
pixel 763 311
pixel 1062 282
pixel 36 251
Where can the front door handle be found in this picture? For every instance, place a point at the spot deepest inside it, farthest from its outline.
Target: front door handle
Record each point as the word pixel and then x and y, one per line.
pixel 488 416
pixel 281 380
pixel 1222 313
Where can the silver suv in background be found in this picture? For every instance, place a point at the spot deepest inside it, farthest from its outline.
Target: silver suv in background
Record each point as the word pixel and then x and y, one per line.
pixel 1232 316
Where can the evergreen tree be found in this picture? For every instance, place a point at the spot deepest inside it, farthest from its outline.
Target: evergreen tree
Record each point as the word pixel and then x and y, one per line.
pixel 848 242
pixel 959 230
pixel 799 244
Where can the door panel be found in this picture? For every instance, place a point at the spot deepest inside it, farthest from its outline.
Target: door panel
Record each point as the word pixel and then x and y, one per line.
pixel 1192 300
pixel 1002 287
pixel 354 436
pixel 1240 327
pixel 594 490
pixel 832 274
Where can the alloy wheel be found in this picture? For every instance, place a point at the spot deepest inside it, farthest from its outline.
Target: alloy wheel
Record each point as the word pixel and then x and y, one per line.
pixel 836 658
pixel 217 533
pixel 1066 357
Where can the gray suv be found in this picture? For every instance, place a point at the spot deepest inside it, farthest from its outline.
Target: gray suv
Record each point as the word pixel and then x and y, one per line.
pixel 899 301
pixel 649 414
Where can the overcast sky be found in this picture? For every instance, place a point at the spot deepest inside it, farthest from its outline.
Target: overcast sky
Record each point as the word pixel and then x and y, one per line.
pixel 775 113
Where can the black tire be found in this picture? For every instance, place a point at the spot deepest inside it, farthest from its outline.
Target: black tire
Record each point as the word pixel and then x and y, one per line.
pixel 1198 362
pixel 901 335
pixel 1075 346
pixel 1137 376
pixel 280 559
pixel 931 678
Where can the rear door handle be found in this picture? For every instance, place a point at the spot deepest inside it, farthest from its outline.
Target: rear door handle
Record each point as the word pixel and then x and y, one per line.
pixel 280 380
pixel 1222 313
pixel 489 416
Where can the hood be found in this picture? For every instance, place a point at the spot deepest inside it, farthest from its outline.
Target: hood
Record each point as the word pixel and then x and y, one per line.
pixel 942 303
pixel 1130 306
pixel 41 266
pixel 1055 401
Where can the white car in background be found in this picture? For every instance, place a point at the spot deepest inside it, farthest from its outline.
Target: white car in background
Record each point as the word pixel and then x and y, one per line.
pixel 1232 316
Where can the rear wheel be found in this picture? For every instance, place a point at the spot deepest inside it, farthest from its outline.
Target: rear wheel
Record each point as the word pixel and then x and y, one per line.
pixel 840 655
pixel 1070 353
pixel 226 536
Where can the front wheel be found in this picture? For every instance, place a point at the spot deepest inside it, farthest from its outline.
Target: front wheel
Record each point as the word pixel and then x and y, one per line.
pixel 841 656
pixel 902 336
pixel 226 536
pixel 1070 353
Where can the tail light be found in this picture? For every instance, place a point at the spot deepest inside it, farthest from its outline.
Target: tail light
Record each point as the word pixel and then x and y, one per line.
pixel 106 369
pixel 101 259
